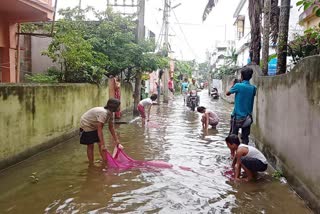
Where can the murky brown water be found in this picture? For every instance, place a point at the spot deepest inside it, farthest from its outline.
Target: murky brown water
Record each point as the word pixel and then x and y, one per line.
pixel 67 185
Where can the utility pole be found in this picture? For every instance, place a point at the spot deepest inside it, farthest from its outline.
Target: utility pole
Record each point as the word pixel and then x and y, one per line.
pixel 165 77
pixel 140 5
pixel 140 38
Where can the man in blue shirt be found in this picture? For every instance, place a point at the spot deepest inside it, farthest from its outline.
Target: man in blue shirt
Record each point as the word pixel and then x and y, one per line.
pixel 184 89
pixel 243 105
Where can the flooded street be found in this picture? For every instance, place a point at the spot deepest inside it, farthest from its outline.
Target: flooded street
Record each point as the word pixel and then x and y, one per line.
pixel 60 181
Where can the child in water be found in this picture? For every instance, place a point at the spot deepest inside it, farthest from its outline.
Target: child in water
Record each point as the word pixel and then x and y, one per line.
pixel 146 104
pixel 208 118
pixel 245 157
pixel 91 126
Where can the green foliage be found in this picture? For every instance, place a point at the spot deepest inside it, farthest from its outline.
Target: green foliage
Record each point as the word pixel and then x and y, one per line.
pixel 224 70
pixel 305 4
pixel 305 45
pixel 28 28
pixel 232 57
pixel 277 174
pixel 41 78
pixel 184 67
pixel 229 67
pixel 86 50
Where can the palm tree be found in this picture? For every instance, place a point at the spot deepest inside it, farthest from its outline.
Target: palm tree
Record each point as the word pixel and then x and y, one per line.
pixel 208 8
pixel 283 36
pixel 266 33
pixel 255 9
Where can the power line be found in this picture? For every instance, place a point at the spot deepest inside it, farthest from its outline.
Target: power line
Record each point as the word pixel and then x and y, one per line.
pixel 185 38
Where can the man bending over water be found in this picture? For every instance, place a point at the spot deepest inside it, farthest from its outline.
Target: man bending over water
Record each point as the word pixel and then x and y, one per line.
pixel 250 159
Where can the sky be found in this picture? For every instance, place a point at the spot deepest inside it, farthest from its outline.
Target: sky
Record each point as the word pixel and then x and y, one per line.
pixel 189 38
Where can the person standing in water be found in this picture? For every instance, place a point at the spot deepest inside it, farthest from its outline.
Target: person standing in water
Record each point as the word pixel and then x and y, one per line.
pixel 146 104
pixel 184 89
pixel 91 127
pixel 117 94
pixel 171 85
pixel 241 116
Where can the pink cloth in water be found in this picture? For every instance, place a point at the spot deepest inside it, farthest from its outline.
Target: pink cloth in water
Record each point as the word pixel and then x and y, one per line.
pixel 122 161
pixel 229 173
pixel 153 125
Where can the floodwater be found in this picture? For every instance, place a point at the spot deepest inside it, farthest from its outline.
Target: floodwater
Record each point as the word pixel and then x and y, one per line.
pixel 60 181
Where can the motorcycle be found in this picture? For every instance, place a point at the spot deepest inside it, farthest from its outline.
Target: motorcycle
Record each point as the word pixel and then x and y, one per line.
pixel 214 93
pixel 193 100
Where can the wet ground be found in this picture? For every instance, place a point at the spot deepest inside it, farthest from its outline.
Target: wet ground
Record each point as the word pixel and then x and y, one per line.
pixel 60 181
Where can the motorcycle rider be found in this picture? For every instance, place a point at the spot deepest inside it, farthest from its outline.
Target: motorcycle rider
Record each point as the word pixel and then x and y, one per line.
pixel 214 93
pixel 194 88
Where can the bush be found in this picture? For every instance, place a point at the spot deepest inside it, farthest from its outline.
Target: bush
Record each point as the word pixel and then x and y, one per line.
pixel 41 78
pixel 305 45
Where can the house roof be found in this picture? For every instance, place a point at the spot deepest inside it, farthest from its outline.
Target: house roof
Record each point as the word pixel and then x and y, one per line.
pixel 26 10
pixel 239 8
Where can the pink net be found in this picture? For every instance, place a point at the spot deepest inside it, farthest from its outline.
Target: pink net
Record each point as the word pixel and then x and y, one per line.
pixel 151 124
pixel 229 173
pixel 122 161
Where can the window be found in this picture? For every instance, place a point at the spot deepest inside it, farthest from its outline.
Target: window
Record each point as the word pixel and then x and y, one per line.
pixel 240 26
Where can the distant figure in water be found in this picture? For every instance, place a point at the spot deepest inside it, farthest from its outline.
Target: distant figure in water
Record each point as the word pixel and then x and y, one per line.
pixel 117 94
pixel 91 126
pixel 146 104
pixel 250 159
pixel 208 118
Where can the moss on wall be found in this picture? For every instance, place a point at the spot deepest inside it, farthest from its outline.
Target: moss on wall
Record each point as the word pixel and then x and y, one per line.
pixel 37 116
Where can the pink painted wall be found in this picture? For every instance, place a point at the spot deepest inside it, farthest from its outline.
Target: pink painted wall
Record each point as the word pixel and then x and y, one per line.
pixel 11 13
pixel 153 77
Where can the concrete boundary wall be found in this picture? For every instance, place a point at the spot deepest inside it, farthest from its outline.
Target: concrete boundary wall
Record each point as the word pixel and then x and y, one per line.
pixel 227 83
pixel 287 126
pixel 34 117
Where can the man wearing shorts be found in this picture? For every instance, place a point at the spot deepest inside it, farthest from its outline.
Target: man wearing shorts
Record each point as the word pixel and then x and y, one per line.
pixel 250 159
pixel 91 126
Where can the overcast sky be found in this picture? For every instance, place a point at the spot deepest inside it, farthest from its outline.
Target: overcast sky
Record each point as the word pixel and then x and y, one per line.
pixel 191 38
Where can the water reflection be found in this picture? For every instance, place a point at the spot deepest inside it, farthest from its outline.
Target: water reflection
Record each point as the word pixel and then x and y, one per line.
pixel 67 185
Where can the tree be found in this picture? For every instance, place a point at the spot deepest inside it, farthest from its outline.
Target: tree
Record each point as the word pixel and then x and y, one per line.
pixel 255 8
pixel 108 43
pixel 283 36
pixel 231 57
pixel 79 62
pixel 208 8
pixel 184 68
pixel 266 32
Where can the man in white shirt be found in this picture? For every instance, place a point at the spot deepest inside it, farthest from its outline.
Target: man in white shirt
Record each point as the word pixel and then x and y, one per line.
pixel 247 157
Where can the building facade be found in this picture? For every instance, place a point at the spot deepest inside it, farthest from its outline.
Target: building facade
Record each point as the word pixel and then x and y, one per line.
pixel 243 30
pixel 13 12
pixel 308 18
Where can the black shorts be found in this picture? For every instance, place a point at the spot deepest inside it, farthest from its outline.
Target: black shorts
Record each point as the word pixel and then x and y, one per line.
pixel 87 138
pixel 254 164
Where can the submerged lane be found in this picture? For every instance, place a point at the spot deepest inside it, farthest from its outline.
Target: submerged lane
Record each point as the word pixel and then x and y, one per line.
pixel 67 185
